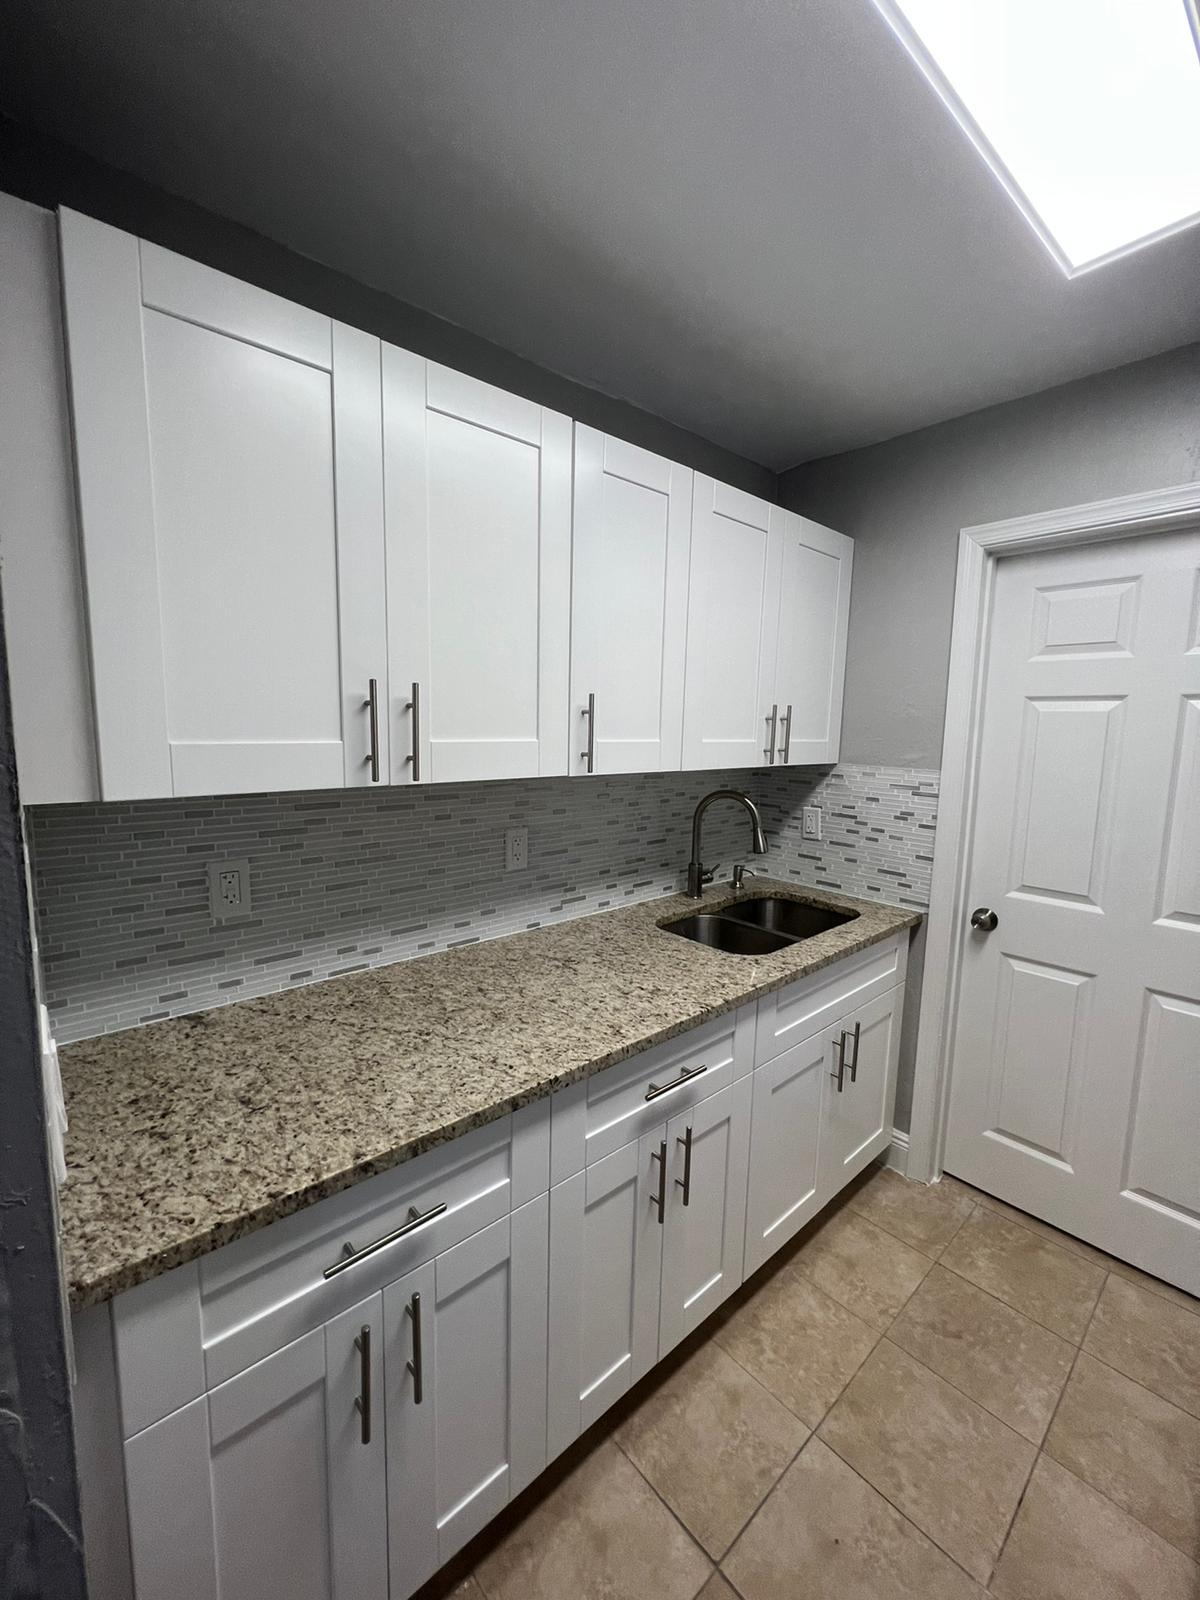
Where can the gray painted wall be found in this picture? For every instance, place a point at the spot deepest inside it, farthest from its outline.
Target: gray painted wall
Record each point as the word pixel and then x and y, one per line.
pixel 904 502
pixel 51 174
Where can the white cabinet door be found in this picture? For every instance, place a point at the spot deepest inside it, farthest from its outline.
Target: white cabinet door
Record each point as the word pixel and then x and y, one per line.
pixel 860 1089
pixel 465 1363
pixel 629 587
pixel 707 1151
pixel 814 614
pixel 272 1487
pixel 785 1147
pixel 478 495
pixel 230 492
pixel 730 714
pixel 606 1242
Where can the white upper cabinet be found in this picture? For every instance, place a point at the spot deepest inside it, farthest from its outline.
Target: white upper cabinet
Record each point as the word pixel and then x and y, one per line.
pixel 629 588
pixel 478 497
pixel 230 492
pixel 814 612
pixel 730 714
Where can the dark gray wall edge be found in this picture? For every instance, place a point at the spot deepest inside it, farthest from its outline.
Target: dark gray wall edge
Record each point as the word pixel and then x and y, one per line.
pixel 40 1549
pixel 50 174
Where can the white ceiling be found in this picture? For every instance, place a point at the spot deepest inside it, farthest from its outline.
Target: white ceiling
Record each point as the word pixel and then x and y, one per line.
pixel 751 217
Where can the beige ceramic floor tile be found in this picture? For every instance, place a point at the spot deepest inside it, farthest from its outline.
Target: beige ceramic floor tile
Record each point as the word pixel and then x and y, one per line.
pixel 602 1534
pixel 824 1534
pixel 1065 1241
pixel 924 1215
pixel 1015 1368
pixel 1051 1285
pixel 1140 1451
pixel 1070 1543
pixel 803 1346
pixel 1165 1291
pixel 1150 1339
pixel 941 1459
pixel 712 1442
pixel 717 1588
pixel 468 1589
pixel 864 1269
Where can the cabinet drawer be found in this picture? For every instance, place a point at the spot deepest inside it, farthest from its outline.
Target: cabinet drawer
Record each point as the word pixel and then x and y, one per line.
pixel 263 1291
pixel 792 1014
pixel 636 1094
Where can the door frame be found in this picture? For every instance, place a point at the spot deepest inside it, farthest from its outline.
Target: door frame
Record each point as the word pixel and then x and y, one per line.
pixel 980 548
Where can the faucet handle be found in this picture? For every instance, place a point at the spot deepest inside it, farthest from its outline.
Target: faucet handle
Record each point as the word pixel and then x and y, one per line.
pixel 707 874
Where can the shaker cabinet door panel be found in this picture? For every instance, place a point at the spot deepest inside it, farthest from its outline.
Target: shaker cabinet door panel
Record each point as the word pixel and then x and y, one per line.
pixel 856 1122
pixel 466 1389
pixel 785 1148
pixel 230 490
pixel 272 1487
pixel 478 497
pixel 629 585
pixel 707 1154
pixel 814 614
pixel 730 712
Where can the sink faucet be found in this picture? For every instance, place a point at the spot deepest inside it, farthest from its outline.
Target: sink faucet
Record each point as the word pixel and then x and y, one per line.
pixel 697 875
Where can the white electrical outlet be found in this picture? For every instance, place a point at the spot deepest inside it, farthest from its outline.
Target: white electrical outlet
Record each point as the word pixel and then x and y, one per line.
pixel 516 849
pixel 229 890
pixel 810 822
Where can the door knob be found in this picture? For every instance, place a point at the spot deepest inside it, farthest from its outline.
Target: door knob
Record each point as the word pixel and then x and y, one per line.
pixel 983 919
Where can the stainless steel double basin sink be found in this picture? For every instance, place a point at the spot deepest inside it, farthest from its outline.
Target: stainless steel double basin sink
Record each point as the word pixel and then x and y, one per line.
pixel 758 925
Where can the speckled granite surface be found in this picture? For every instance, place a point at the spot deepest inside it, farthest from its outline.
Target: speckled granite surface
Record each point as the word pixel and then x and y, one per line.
pixel 188 1134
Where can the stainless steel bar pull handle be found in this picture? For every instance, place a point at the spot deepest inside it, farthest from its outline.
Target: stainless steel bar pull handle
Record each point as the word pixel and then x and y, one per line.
pixel 655 1089
pixel 371 705
pixel 787 735
pixel 363 1404
pixel 589 755
pixel 414 705
pixel 685 1183
pixel 840 1046
pixel 772 725
pixel 854 1057
pixel 351 1257
pixel 417 1365
pixel 660 1199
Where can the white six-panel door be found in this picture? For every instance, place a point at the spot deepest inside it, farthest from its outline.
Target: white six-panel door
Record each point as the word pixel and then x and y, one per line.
pixel 478 513
pixel 1076 1064
pixel 231 509
pixel 814 617
pixel 629 587
pixel 730 714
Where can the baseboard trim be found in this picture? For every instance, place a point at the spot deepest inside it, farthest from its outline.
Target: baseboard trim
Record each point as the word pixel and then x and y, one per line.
pixel 896 1154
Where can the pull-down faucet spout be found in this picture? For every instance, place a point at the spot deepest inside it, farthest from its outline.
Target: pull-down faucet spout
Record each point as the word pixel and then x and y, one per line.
pixel 697 875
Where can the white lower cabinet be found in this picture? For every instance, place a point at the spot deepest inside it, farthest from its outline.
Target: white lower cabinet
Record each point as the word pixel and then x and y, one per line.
pixel 465 1374
pixel 353 1460
pixel 860 1089
pixel 644 1244
pixel 271 1487
pixel 785 1148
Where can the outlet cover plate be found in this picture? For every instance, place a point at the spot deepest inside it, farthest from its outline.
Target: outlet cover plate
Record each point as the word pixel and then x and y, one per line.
pixel 229 890
pixel 516 849
pixel 810 823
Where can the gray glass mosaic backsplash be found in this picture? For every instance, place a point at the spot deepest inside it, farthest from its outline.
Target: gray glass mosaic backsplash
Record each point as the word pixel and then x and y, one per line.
pixel 348 879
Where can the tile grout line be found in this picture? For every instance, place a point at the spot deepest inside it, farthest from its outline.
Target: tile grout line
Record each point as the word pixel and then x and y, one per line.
pixel 1041 1451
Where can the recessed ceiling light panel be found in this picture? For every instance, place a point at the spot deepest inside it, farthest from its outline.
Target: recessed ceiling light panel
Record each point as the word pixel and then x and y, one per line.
pixel 1087 111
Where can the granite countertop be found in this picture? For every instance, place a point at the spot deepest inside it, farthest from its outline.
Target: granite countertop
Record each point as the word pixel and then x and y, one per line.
pixel 187 1134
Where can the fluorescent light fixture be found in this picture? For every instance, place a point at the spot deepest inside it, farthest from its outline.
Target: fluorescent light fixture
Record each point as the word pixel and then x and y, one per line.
pixel 1087 111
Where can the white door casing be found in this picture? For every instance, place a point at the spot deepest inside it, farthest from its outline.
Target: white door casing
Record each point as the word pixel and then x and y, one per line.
pixel 629 595
pixel 733 623
pixel 814 618
pixel 230 493
pixel 477 489
pixel 1136 829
